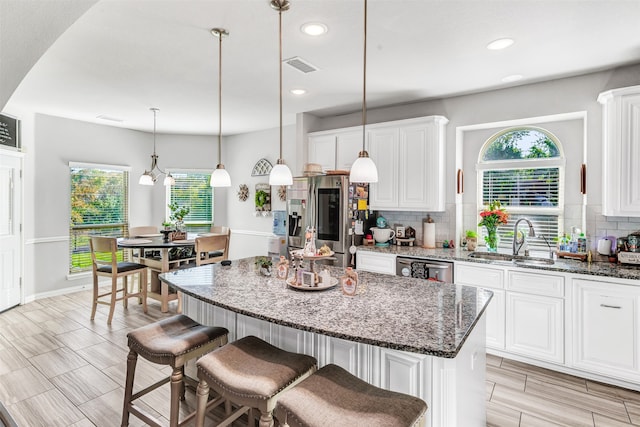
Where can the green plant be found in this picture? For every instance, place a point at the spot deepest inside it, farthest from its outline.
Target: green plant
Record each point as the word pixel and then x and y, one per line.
pixel 471 234
pixel 263 262
pixel 166 224
pixel 178 212
pixel 261 198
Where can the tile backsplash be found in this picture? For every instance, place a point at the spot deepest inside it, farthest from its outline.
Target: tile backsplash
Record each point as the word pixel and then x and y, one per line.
pixel 445 222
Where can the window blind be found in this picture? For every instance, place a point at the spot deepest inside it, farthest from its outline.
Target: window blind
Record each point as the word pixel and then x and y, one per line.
pixel 522 187
pixel 193 190
pixel 99 206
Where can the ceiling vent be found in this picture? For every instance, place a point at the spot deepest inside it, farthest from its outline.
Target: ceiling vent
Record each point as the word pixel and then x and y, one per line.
pixel 300 65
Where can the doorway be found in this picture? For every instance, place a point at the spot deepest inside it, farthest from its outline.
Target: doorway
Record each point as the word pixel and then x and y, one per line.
pixel 10 229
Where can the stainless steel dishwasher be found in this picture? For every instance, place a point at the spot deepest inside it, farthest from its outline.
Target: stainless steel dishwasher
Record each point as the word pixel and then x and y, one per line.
pixel 422 268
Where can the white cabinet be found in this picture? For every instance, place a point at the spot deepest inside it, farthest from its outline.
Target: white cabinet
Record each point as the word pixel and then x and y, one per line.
pixel 409 155
pixel 605 320
pixel 335 149
pixel 621 152
pixel 376 262
pixel 534 315
pixel 493 279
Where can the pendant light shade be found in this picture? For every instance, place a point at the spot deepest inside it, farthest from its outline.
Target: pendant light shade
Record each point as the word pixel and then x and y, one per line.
pixel 220 177
pixel 364 169
pixel 280 174
pixel 149 177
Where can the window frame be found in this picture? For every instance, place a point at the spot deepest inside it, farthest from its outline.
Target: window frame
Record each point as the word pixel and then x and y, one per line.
pixel 516 212
pixel 195 226
pixel 121 227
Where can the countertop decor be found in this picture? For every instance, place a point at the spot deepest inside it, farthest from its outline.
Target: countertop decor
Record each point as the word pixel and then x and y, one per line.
pixel 393 312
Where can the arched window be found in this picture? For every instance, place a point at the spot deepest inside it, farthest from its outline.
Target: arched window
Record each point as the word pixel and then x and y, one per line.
pixel 523 168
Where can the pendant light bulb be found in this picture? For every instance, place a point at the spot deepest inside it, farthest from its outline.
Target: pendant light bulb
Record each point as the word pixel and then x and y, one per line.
pixel 220 177
pixel 149 177
pixel 280 174
pixel 364 169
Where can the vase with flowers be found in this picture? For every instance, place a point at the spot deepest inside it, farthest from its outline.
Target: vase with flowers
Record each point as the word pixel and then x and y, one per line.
pixel 491 217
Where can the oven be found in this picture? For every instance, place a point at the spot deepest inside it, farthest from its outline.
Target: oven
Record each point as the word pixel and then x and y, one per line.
pixel 427 269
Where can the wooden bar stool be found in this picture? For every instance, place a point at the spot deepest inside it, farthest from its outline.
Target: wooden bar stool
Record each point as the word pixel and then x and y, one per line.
pixel 252 373
pixel 332 397
pixel 172 342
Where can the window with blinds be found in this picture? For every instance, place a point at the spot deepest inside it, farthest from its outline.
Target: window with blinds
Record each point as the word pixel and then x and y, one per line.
pixel 193 190
pixel 523 168
pixel 99 206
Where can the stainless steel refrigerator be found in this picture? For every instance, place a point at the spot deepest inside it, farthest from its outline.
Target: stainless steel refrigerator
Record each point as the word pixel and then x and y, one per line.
pixel 322 202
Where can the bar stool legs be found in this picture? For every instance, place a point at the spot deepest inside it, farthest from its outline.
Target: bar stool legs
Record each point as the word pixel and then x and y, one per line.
pixel 172 342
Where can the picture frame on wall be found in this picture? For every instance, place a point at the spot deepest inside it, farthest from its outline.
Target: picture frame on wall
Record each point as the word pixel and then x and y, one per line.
pixel 9 132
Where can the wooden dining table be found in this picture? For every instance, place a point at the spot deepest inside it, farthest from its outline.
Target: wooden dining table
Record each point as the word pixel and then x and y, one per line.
pixel 153 251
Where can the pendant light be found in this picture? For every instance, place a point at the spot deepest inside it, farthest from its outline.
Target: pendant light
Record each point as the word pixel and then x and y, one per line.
pixel 220 177
pixel 363 169
pixel 280 174
pixel 149 177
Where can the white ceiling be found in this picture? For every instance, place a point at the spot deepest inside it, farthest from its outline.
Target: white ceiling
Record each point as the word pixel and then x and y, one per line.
pixel 123 57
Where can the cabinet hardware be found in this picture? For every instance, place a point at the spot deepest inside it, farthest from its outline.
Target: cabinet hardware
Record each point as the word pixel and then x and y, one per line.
pixel 609 306
pixel 460 184
pixel 583 179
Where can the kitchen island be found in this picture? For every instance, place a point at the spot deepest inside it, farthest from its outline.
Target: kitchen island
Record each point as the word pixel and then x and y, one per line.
pixel 426 339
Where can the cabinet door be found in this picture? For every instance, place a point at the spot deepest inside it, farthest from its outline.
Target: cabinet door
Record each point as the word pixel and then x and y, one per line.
pixel 621 152
pixel 606 325
pixel 535 326
pixel 348 146
pixel 421 166
pixel 404 372
pixel 322 150
pixel 383 149
pixel 493 279
pixel 376 262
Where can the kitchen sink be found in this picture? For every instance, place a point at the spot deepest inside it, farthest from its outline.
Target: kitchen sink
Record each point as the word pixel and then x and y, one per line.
pixel 492 256
pixel 511 259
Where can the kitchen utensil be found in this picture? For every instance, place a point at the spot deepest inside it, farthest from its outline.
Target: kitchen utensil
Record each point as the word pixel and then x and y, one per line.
pixel 382 235
pixel 352 250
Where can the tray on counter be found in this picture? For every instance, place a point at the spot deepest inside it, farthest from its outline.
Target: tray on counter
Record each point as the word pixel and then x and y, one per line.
pixel 321 286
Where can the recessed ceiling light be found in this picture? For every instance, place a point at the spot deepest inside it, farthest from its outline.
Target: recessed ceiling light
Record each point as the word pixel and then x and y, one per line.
pixel 500 44
pixel 298 91
pixel 512 78
pixel 314 28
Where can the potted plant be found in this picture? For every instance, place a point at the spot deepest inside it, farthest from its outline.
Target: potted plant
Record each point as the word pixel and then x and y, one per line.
pixel 264 265
pixel 177 215
pixel 472 240
pixel 167 225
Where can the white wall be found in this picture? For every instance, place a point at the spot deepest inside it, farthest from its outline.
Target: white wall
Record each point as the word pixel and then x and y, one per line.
pixel 50 143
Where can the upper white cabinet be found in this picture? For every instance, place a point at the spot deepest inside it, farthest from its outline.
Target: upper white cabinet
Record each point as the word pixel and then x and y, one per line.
pixel 621 151
pixel 409 155
pixel 335 149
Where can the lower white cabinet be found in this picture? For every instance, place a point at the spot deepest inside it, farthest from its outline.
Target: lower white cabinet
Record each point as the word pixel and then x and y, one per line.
pixel 376 262
pixel 535 326
pixel 606 328
pixel 535 315
pixel 491 278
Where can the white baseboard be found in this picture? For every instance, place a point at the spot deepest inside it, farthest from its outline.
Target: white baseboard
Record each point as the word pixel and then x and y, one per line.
pixel 57 292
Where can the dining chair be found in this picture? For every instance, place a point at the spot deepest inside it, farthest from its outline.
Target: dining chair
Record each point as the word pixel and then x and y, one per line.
pixel 211 249
pixel 143 231
pixel 104 256
pixel 220 229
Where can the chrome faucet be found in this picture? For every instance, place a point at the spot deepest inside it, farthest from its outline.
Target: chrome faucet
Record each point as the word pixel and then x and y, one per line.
pixel 518 243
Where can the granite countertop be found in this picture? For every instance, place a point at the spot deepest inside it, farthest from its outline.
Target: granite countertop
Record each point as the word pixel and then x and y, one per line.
pixel 387 311
pixel 596 268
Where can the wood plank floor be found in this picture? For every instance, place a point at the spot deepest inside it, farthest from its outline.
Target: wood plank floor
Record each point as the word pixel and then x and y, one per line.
pixel 57 368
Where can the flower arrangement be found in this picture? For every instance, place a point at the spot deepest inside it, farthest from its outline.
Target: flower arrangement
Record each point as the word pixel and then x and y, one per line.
pixel 491 218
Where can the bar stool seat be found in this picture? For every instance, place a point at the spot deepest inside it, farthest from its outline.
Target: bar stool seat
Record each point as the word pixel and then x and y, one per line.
pixel 333 397
pixel 252 373
pixel 172 342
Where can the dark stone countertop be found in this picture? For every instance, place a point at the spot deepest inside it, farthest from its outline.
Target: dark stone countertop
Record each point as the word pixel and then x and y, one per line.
pixel 387 311
pixel 597 268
